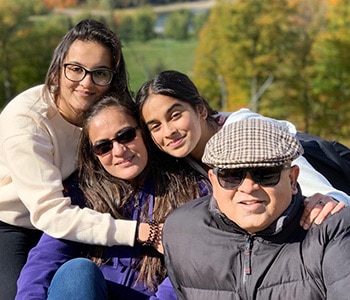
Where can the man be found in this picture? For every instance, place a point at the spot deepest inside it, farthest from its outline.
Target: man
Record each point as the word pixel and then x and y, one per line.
pixel 245 241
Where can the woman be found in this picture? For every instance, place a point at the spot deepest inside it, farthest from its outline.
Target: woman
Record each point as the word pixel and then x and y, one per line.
pixel 38 138
pixel 117 176
pixel 181 122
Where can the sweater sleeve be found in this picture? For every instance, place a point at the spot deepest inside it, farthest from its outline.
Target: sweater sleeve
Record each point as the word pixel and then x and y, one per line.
pixel 38 155
pixel 312 182
pixel 39 185
pixel 42 264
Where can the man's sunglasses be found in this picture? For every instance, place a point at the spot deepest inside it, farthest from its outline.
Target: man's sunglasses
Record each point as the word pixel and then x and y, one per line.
pixel 230 179
pixel 124 136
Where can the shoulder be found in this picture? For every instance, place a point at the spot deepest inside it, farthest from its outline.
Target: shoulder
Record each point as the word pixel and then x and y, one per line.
pixel 193 206
pixel 32 103
pixel 185 224
pixel 333 227
pixel 245 113
pixel 188 213
pixel 340 221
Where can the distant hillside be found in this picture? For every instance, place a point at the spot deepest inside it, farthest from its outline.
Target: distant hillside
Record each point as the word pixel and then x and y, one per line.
pixel 183 5
pixel 136 3
pixel 156 8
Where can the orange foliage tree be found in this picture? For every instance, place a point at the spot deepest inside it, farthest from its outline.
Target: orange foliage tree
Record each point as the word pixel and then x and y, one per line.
pixel 286 59
pixel 50 4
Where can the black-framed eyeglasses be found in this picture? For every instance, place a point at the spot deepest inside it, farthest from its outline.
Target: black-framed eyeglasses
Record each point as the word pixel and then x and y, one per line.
pixel 99 76
pixel 124 136
pixel 230 179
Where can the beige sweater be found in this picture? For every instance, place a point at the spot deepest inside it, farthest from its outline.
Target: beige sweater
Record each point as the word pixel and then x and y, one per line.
pixel 38 149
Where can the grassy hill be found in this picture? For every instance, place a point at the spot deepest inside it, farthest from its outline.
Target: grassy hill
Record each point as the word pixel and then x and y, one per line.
pixel 144 60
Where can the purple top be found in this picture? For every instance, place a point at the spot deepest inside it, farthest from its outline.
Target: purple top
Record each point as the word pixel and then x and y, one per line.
pixel 50 253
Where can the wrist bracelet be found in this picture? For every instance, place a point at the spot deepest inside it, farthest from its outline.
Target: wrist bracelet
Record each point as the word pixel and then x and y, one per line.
pixel 153 234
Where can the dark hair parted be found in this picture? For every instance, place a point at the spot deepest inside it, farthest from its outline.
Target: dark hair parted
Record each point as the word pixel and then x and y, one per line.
pixel 103 192
pixel 93 31
pixel 174 183
pixel 176 85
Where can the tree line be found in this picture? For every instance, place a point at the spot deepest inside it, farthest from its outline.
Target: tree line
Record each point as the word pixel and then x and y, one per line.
pixel 284 58
pixel 30 31
pixel 109 4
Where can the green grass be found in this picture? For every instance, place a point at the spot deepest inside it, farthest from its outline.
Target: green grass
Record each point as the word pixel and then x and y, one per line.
pixel 144 60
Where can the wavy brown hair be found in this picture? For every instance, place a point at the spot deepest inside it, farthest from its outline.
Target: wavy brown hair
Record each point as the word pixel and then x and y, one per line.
pixel 174 182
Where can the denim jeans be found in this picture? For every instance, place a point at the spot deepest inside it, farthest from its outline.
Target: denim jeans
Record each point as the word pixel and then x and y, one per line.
pixel 78 279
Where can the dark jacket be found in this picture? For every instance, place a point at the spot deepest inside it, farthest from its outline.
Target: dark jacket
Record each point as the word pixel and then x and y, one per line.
pixel 209 257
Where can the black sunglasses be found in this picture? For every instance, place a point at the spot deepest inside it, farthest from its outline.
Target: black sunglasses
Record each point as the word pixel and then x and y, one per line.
pixel 230 179
pixel 124 136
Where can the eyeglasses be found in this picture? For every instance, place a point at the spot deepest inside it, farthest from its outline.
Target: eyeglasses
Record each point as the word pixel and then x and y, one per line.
pixel 76 73
pixel 124 136
pixel 230 179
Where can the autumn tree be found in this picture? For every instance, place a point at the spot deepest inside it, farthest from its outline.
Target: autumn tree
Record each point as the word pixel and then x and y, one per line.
pixel 33 49
pixel 50 4
pixel 331 83
pixel 246 41
pixel 286 59
pixel 28 39
pixel 14 21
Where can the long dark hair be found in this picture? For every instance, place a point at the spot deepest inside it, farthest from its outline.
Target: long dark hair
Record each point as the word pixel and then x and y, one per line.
pixel 103 192
pixel 174 182
pixel 95 31
pixel 177 85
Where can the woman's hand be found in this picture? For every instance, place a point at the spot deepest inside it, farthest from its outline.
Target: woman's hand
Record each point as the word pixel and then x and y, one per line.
pixel 317 208
pixel 144 233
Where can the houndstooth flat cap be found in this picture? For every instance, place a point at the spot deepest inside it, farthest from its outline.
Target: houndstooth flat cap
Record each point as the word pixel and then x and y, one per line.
pixel 251 143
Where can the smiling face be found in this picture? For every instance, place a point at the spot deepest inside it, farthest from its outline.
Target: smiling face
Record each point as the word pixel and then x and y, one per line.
pixel 125 161
pixel 175 126
pixel 76 97
pixel 252 206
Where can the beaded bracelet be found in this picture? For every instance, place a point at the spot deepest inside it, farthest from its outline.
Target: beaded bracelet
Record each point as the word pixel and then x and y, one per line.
pixel 153 235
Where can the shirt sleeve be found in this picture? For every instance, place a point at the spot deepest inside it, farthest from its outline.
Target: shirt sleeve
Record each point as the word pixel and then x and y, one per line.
pixel 36 173
pixel 311 182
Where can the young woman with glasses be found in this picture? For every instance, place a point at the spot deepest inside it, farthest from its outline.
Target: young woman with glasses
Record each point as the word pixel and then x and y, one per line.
pixel 118 175
pixel 180 122
pixel 38 137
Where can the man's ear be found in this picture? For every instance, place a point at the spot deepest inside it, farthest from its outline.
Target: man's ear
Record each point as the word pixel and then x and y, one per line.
pixel 202 110
pixel 212 177
pixel 293 176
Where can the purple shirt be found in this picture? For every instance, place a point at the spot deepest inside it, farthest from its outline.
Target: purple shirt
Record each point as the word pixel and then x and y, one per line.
pixel 50 253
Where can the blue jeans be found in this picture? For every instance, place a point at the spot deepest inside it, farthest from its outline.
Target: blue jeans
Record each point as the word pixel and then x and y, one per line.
pixel 78 279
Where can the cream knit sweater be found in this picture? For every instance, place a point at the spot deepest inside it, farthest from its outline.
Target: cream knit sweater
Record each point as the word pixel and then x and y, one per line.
pixel 38 149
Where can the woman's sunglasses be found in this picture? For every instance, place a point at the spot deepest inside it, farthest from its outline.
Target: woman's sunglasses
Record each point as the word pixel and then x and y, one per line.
pixel 124 136
pixel 230 179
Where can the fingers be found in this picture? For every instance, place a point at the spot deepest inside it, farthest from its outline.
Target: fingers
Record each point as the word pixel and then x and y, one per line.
pixel 310 204
pixel 324 210
pixel 317 208
pixel 338 207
